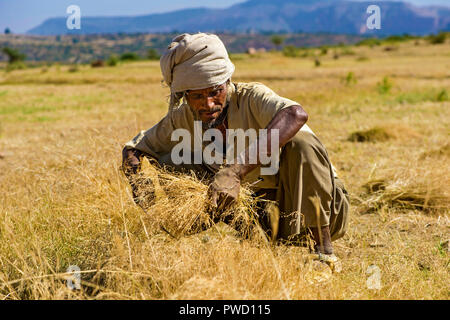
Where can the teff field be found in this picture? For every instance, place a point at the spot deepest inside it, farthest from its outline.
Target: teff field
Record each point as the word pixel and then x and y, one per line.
pixel 382 112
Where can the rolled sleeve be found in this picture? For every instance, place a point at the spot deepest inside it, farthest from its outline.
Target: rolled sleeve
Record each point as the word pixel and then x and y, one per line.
pixel 265 103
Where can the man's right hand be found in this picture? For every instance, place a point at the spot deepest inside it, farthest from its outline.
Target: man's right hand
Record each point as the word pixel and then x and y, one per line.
pixel 130 160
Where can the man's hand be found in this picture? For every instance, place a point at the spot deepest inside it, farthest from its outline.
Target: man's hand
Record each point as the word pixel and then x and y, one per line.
pixel 225 186
pixel 130 161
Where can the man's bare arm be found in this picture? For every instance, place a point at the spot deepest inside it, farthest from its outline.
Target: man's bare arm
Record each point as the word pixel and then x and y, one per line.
pixel 288 121
pixel 226 183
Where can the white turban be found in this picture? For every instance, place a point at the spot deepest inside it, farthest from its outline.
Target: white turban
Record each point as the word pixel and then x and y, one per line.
pixel 193 62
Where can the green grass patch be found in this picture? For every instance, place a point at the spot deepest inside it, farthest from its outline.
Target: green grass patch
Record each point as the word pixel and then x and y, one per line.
pixel 384 86
pixel 414 97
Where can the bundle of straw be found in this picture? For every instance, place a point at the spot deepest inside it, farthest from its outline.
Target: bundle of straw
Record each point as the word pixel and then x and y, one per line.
pixel 422 187
pixel 179 204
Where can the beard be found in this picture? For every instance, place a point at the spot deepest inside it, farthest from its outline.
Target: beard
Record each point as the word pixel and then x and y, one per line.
pixel 215 122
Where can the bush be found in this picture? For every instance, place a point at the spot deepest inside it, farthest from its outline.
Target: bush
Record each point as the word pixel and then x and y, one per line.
pixel 442 96
pixel 437 39
pixel 323 50
pixel 13 55
pixel 362 58
pixel 15 66
pixel 376 134
pixel 350 79
pixel 369 42
pixel 97 63
pixel 152 54
pixel 397 38
pixel 384 86
pixel 347 51
pixel 291 51
pixel 317 62
pixel 129 56
pixel 112 61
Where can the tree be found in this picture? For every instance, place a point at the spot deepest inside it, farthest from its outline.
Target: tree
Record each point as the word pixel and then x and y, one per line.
pixel 14 56
pixel 277 40
pixel 7 31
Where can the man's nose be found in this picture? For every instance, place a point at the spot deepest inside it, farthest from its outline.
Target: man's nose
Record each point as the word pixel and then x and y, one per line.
pixel 209 103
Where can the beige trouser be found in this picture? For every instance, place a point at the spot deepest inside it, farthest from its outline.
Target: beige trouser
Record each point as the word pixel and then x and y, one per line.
pixel 305 171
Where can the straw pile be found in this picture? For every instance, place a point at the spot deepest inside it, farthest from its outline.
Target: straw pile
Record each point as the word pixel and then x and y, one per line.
pixel 418 187
pixel 179 205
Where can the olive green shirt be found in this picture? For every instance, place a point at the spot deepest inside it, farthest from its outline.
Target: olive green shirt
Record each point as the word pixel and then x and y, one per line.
pixel 250 105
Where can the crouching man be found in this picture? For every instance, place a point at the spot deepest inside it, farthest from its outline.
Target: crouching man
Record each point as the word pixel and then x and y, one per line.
pixel 309 195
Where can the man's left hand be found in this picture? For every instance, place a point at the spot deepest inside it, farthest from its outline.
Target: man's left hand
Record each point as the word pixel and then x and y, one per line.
pixel 225 186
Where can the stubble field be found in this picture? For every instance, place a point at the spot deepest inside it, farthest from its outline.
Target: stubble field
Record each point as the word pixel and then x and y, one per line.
pixel 64 201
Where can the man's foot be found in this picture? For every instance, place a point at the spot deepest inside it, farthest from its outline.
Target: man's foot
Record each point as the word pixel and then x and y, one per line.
pixel 329 259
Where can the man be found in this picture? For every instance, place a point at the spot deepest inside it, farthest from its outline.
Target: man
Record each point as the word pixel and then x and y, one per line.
pixel 198 71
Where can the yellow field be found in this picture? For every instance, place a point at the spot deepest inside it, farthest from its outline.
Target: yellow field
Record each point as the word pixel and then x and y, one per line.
pixel 64 201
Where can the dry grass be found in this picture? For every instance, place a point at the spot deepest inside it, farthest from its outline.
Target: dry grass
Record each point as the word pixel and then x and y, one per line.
pixel 383 133
pixel 179 204
pixel 64 200
pixel 421 187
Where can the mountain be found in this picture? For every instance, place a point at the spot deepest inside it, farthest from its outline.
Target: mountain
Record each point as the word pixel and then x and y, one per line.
pixel 335 16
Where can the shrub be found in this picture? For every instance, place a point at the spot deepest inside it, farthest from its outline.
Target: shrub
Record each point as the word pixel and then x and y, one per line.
pixel 15 66
pixel 384 86
pixel 13 55
pixel 369 42
pixel 437 39
pixel 391 48
pixel 442 96
pixel 362 58
pixel 291 51
pixel 129 56
pixel 350 79
pixel 398 38
pixel 112 61
pixel 376 134
pixel 347 51
pixel 317 62
pixel 97 63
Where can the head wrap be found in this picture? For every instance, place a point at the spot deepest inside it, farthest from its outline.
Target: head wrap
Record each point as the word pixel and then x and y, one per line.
pixel 193 62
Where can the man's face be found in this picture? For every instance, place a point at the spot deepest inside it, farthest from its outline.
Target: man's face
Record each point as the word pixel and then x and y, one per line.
pixel 208 103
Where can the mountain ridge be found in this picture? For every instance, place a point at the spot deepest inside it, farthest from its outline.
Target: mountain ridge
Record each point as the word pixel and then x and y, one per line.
pixel 337 16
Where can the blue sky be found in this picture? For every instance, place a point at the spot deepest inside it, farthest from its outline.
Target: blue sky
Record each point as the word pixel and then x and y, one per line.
pixel 22 15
